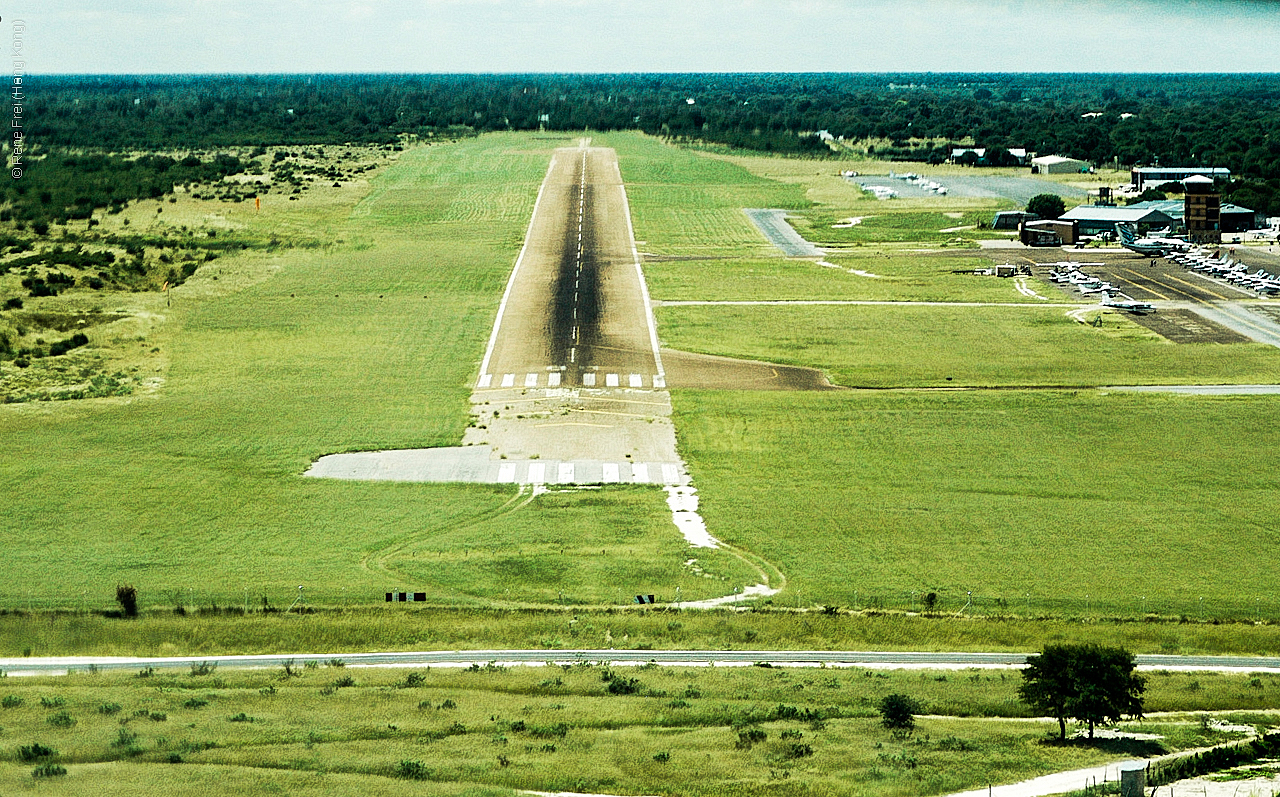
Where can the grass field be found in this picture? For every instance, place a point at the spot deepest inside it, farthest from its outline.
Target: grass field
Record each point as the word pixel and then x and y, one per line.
pixel 195 495
pixel 371 339
pixel 585 728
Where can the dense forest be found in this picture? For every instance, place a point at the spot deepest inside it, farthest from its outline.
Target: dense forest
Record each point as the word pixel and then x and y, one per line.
pixel 1209 120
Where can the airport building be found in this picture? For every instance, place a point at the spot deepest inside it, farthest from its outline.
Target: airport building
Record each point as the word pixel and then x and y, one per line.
pixel 1095 219
pixel 1232 218
pixel 1143 176
pixel 1057 164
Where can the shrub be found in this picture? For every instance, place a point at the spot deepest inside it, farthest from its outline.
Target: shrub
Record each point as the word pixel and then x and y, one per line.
pixel 34 752
pixel 13 304
pixel 52 702
pixel 241 717
pixel 203 668
pixel 109 709
pixel 898 712
pixel 411 681
pixel 797 750
pixel 662 757
pixel 196 702
pixel 412 769
pixel 49 770
pixel 748 737
pixel 62 720
pixel 11 701
pixel 126 594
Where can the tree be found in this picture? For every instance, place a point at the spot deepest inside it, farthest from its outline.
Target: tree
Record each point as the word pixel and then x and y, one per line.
pixel 897 713
pixel 1047 206
pixel 1089 683
pixel 127 597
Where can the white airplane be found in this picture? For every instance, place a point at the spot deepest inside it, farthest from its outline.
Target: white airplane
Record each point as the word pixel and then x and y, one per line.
pixel 1149 247
pixel 1099 287
pixel 1129 305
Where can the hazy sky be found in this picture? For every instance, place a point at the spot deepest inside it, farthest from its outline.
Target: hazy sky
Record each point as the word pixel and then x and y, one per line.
pixel 132 36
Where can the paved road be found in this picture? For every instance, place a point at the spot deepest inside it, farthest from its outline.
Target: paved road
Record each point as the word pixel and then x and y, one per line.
pixel 773 225
pixel 782 658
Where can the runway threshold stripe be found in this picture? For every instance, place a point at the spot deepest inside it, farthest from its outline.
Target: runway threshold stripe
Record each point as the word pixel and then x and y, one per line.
pixel 485 380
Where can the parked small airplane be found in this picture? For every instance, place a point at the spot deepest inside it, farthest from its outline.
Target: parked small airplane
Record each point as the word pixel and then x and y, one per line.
pixel 1149 247
pixel 1129 305
pixel 1098 287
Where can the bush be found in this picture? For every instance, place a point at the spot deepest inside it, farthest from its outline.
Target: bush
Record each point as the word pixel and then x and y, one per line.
pixel 108 709
pixel 898 712
pixel 749 737
pixel 49 770
pixel 11 701
pixel 126 594
pixel 34 752
pixel 412 770
pixel 62 720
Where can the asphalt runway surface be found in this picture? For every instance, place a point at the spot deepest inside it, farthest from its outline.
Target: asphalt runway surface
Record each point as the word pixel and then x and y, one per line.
pixel 575 313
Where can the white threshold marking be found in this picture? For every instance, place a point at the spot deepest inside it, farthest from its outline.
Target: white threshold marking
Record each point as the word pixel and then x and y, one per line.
pixel 610 380
pixel 508 380
pixel 553 379
pixel 537 473
pixel 486 380
pixel 531 380
pixel 640 473
pixel 589 380
pixel 506 473
pixel 566 472
pixel 635 381
pixel 660 381
pixel 611 473
pixel 670 474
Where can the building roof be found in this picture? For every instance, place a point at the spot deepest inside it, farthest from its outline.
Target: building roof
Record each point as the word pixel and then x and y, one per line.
pixel 1105 213
pixel 1187 169
pixel 1049 160
pixel 1176 208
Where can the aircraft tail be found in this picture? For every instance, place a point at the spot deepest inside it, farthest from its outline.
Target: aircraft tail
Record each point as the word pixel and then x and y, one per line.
pixel 1127 232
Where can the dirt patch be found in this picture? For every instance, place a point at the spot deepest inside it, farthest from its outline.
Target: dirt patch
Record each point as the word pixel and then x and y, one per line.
pixel 1185 326
pixel 707 372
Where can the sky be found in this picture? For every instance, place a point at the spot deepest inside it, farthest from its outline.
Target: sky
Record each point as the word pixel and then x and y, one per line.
pixel 308 36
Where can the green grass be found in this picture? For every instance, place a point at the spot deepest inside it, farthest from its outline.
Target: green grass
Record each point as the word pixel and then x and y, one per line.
pixel 889 224
pixel 195 495
pixel 1062 502
pixel 486 729
pixel 914 346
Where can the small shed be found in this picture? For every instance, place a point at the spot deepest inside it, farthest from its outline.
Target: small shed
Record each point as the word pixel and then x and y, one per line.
pixel 1049 232
pixel 1057 164
pixel 1010 219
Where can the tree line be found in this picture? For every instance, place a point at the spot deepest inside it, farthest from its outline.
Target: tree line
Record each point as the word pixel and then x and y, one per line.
pixel 1208 120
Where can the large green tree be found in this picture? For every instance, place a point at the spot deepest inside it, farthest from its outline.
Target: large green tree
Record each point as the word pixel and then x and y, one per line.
pixel 1047 206
pixel 1089 683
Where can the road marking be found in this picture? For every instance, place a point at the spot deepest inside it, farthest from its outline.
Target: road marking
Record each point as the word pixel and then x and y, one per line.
pixel 573 355
pixel 635 381
pixel 508 380
pixel 531 380
pixel 610 473
pixel 660 381
pixel 537 473
pixel 575 332
pixel 553 379
pixel 511 281
pixel 610 380
pixel 640 473
pixel 670 474
pixel 485 380
pixel 506 473
pixel 589 379
pixel 566 472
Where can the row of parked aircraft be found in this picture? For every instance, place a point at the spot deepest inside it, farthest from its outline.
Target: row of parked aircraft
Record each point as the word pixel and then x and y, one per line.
pixel 1229 270
pixel 1069 273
